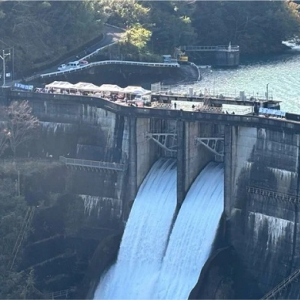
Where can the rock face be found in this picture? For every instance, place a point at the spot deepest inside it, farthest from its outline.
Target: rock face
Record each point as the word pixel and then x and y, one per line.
pixel 263 221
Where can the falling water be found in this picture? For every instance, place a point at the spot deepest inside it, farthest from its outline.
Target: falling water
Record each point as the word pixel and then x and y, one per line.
pixel 142 270
pixel 145 236
pixel 192 236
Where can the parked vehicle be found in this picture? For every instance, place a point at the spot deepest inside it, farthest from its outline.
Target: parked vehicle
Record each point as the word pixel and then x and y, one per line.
pixel 83 62
pixel 62 67
pixel 71 65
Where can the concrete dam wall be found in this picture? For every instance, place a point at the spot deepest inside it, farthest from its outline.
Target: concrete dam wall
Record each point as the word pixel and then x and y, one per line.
pixel 87 133
pixel 261 171
pixel 262 207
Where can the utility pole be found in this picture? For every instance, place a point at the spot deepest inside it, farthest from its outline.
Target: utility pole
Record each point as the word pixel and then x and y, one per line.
pixel 3 60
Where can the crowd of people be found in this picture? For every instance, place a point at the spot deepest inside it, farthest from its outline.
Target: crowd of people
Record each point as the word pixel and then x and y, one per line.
pixel 122 99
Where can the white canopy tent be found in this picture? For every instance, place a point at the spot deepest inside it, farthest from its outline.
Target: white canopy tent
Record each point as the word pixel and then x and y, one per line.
pixel 113 88
pixel 131 89
pixel 60 85
pixel 87 87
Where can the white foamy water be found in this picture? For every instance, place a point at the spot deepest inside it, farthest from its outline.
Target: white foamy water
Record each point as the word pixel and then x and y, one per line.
pixel 145 236
pixel 192 236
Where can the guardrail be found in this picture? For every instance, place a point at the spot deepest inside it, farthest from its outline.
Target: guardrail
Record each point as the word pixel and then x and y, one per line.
pixel 93 164
pixel 212 48
pixel 97 51
pixel 88 55
pixel 109 62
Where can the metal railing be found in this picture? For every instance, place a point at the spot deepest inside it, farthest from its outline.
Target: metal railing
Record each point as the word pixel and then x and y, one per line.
pixel 162 105
pixel 110 62
pixel 234 48
pixel 59 294
pixel 281 285
pixel 93 164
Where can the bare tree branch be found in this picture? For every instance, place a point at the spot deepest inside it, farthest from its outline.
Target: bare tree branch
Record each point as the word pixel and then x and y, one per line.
pixel 3 139
pixel 20 124
pixel 3 130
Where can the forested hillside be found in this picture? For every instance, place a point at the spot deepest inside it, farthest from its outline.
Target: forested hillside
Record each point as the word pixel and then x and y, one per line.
pixel 41 32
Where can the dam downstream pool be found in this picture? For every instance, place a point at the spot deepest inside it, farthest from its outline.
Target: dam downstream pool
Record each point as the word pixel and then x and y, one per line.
pixel 151 266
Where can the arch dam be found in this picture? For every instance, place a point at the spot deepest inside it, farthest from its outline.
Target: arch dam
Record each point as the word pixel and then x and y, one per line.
pixel 261 163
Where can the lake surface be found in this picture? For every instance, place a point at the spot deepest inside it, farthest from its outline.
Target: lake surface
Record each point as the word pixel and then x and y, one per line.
pixel 280 72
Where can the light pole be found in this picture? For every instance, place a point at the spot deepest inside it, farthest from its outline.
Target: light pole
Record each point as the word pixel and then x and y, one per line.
pixel 213 75
pixel 13 64
pixel 267 92
pixel 3 60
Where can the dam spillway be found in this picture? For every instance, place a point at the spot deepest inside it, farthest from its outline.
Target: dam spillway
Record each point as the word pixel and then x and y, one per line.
pixel 151 266
pixel 145 236
pixel 192 236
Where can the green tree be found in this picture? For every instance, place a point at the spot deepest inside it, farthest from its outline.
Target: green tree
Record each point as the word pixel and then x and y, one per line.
pixel 258 27
pixel 170 25
pixel 43 31
pixel 137 36
pixel 125 13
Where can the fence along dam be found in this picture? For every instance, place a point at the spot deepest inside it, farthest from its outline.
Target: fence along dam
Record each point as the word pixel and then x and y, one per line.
pixel 260 160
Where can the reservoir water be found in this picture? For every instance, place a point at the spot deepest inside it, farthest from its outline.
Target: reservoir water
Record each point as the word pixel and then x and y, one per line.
pixel 280 72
